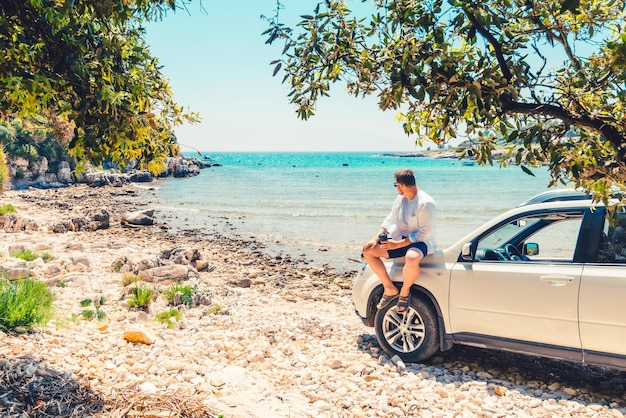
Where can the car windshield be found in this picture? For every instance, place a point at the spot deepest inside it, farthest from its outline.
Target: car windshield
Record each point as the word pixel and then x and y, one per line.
pixel 504 235
pixel 554 234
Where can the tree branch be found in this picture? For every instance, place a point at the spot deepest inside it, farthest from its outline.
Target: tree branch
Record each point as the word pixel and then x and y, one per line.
pixel 610 132
pixel 497 46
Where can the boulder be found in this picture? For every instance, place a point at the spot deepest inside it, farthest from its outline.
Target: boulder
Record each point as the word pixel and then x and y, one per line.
pixel 141 177
pixel 13 223
pixel 104 178
pixel 64 173
pixel 91 221
pixel 141 217
pixel 174 272
pixel 14 270
pixel 181 255
pixel 181 167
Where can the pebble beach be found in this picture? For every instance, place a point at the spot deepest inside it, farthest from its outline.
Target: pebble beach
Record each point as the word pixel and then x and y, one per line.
pixel 275 336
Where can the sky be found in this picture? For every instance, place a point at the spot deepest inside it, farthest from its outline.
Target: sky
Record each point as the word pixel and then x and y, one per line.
pixel 219 66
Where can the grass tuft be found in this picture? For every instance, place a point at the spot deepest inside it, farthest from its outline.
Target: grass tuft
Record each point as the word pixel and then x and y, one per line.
pixel 7 210
pixel 168 317
pixel 24 304
pixel 130 278
pixel 140 297
pixel 29 255
pixel 179 294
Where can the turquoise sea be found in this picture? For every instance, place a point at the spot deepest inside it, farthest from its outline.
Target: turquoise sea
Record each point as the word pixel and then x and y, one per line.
pixel 326 205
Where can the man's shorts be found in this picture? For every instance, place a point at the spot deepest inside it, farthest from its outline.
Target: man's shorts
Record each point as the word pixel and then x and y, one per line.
pixel 401 252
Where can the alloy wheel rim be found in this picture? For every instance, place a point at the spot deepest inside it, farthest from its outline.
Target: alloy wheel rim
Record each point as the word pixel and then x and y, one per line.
pixel 403 332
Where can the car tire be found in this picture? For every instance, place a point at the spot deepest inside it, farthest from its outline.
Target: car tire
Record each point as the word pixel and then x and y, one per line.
pixel 413 335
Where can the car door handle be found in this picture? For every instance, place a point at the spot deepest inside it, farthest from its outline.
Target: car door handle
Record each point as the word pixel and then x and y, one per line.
pixel 557 279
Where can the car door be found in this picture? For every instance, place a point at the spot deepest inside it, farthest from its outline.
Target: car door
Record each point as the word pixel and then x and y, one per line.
pixel 529 304
pixel 602 294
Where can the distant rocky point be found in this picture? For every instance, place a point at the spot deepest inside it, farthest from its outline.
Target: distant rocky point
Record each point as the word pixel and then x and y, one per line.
pixel 426 154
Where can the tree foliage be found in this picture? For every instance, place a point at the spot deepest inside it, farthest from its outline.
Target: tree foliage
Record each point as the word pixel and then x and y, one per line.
pixel 36 136
pixel 546 77
pixel 87 63
pixel 4 172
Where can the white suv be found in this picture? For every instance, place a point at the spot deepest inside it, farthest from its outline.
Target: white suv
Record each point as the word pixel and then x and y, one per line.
pixel 547 278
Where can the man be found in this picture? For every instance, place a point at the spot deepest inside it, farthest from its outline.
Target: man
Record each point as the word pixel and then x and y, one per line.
pixel 411 225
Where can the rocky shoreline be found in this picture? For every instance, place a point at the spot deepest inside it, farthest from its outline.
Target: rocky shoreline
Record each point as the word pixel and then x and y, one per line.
pixel 270 336
pixel 24 174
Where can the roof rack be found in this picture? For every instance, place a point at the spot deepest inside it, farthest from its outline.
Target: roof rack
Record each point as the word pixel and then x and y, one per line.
pixel 557 195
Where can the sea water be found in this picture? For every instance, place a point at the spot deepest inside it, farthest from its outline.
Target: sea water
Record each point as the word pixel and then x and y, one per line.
pixel 326 205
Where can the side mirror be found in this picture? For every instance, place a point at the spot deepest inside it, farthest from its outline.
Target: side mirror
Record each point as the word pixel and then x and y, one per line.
pixel 531 248
pixel 466 253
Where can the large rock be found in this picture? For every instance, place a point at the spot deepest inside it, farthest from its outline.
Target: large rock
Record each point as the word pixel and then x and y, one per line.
pixel 39 167
pixel 181 255
pixel 64 173
pixel 175 272
pixel 14 270
pixel 181 167
pixel 141 177
pixel 140 217
pixel 104 178
pixel 91 221
pixel 13 223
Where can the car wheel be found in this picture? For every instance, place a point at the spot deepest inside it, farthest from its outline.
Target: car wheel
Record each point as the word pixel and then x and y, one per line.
pixel 412 335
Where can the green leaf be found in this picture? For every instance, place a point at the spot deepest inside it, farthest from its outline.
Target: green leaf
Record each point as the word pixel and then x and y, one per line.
pixel 527 170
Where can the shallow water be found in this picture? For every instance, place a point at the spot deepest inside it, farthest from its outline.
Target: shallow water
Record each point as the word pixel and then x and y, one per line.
pixel 326 205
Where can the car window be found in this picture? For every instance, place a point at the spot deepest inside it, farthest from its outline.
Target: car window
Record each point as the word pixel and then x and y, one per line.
pixel 503 235
pixel 557 241
pixel 553 236
pixel 613 245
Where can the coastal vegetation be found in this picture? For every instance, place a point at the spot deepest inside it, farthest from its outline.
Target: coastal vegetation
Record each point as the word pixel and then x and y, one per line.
pixel 7 209
pixel 179 294
pixel 30 255
pixel 81 79
pixel 23 304
pixel 127 278
pixel 548 78
pixel 92 308
pixel 140 296
pixel 169 317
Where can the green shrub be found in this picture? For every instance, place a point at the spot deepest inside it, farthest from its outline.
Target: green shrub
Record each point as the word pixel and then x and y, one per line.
pixel 140 297
pixel 5 209
pixel 90 313
pixel 24 303
pixel 167 316
pixel 216 309
pixel 177 294
pixel 87 313
pixel 46 257
pixel 130 278
pixel 29 255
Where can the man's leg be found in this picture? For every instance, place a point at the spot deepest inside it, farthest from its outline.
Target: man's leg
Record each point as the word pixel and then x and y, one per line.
pixel 411 270
pixel 373 258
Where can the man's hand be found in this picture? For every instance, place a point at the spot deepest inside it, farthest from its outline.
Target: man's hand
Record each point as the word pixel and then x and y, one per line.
pixel 370 244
